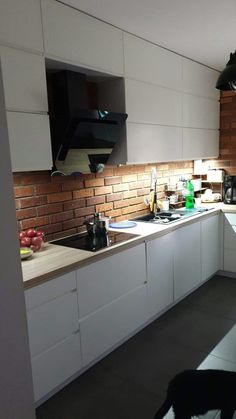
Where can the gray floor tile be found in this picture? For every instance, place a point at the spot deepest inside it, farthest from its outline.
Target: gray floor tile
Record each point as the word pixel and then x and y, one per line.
pixel 100 395
pixel 217 296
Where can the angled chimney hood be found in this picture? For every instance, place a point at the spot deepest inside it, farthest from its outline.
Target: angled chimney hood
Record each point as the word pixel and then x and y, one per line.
pixel 82 138
pixel 227 78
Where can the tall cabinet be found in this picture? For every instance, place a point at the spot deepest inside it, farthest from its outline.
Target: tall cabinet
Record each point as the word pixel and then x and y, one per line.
pixel 24 81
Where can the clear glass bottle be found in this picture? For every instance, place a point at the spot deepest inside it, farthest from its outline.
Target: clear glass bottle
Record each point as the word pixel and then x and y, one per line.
pixel 189 195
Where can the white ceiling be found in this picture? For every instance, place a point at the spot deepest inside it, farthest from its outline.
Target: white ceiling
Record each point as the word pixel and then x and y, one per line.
pixel 203 30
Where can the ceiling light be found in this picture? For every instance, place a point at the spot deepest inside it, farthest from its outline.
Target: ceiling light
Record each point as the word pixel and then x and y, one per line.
pixel 227 79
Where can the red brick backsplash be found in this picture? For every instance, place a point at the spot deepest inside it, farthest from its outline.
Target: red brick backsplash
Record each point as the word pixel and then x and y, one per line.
pixel 227 158
pixel 60 205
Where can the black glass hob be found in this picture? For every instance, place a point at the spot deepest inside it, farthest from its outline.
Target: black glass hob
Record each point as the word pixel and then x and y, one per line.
pixel 84 241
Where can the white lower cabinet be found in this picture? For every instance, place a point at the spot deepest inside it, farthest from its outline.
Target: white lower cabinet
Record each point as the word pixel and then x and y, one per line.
pixel 187 259
pixel 54 366
pixel 106 327
pixel 210 246
pixel 112 296
pixel 229 242
pixel 52 316
pixel 160 273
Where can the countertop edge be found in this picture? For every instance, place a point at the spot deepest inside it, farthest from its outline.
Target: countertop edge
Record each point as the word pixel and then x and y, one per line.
pixel 85 258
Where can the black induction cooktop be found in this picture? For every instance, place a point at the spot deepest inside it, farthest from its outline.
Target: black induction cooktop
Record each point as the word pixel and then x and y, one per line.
pixel 93 243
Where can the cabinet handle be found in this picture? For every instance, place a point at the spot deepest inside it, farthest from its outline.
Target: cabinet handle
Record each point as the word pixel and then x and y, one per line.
pixel 145 282
pixel 74 290
pixel 77 331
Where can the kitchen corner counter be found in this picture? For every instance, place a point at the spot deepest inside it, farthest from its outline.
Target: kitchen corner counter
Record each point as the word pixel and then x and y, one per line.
pixel 53 260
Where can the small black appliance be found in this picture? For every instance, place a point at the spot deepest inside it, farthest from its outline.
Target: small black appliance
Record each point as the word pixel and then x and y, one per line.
pixel 230 190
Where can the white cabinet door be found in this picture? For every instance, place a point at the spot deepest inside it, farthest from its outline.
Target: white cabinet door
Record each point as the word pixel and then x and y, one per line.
pixel 78 38
pixel 200 143
pixel 200 112
pixel 153 143
pixel 187 259
pixel 30 142
pixel 106 327
pixel 210 246
pixel 102 282
pixel 160 273
pixel 147 62
pixel 51 368
pixel 199 80
pixel 229 242
pixel 147 103
pixel 24 80
pixel 20 24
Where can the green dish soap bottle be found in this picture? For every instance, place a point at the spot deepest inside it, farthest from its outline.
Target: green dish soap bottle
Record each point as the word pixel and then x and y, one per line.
pixel 189 195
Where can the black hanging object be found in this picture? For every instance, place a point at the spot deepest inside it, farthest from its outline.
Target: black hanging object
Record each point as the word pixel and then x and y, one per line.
pixel 227 78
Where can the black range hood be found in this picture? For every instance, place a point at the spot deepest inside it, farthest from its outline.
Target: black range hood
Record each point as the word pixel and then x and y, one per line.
pixel 90 133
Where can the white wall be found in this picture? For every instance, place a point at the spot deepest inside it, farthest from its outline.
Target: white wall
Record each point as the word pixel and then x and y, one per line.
pixel 16 391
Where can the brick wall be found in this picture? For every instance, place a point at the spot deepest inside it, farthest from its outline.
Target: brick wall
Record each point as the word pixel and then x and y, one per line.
pixel 59 205
pixel 227 158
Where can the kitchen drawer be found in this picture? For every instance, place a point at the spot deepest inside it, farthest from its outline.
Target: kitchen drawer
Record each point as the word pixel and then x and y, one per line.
pixel 40 294
pixel 104 281
pixel 230 218
pixel 52 322
pixel 51 368
pixel 106 327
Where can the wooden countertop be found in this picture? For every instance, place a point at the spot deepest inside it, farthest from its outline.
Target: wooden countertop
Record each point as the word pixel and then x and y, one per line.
pixel 53 260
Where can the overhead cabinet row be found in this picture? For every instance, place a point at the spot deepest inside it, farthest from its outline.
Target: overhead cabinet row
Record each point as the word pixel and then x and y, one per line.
pixel 171 102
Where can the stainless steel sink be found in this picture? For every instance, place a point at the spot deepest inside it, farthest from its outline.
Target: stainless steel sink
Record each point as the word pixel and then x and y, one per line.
pixel 172 216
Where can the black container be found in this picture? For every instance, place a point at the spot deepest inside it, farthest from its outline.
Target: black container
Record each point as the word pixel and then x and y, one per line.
pixel 230 190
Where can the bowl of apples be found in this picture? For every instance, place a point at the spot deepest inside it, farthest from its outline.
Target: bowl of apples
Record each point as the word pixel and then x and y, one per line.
pixel 32 240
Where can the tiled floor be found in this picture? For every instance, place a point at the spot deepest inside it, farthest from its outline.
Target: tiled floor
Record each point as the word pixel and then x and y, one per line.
pixel 131 382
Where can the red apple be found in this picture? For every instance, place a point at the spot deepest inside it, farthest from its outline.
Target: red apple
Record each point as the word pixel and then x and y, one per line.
pixel 40 233
pixel 37 241
pixel 34 247
pixel 25 241
pixel 31 232
pixel 22 234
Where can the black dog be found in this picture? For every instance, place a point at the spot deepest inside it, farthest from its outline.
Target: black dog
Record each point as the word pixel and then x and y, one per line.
pixel 194 392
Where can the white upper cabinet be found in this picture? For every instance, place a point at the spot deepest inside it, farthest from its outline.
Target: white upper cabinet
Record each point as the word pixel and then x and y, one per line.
pixel 147 103
pixel 147 62
pixel 20 24
pixel 199 79
pixel 75 37
pixel 30 144
pixel 200 112
pixel 24 80
pixel 200 143
pixel 153 143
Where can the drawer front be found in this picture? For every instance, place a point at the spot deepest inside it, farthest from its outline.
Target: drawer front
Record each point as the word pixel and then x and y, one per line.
pixel 109 325
pixel 230 218
pixel 60 316
pixel 102 282
pixel 53 367
pixel 40 294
